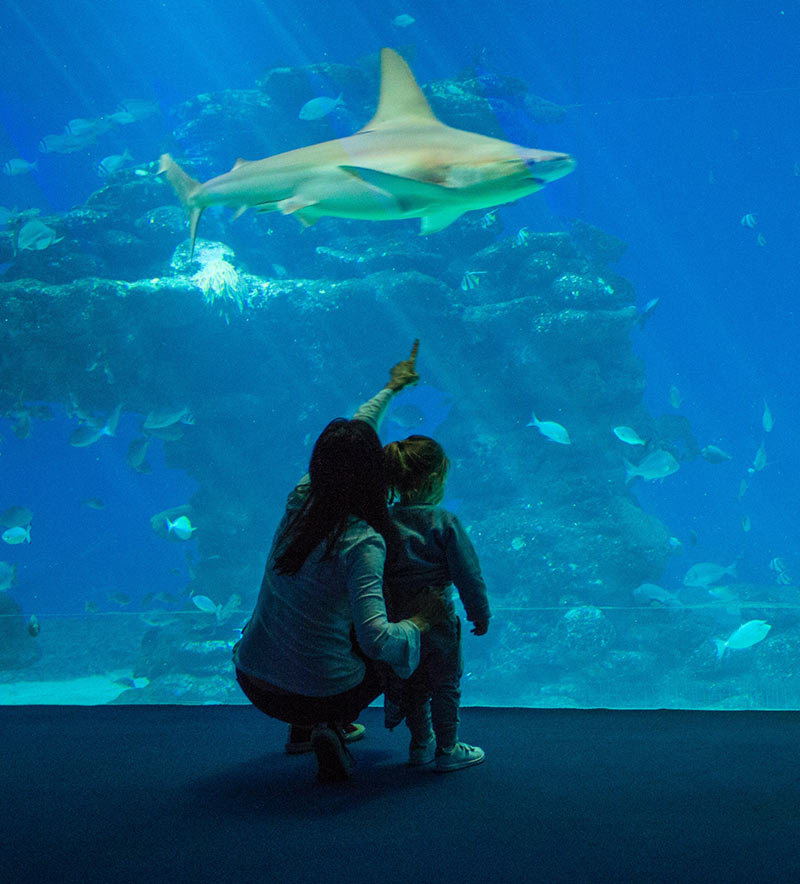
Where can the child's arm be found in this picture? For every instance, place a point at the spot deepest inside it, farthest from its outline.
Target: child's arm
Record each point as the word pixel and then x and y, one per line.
pixel 465 572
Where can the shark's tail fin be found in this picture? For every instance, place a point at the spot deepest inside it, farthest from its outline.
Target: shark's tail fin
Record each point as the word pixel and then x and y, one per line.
pixel 185 186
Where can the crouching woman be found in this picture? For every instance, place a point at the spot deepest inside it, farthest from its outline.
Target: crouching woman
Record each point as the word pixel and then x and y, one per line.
pixel 307 653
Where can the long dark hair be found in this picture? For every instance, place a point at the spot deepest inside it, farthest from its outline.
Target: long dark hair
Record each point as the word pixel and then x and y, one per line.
pixel 348 478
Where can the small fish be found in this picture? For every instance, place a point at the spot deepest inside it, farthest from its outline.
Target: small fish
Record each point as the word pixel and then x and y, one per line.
pixel 94 503
pixel 35 236
pixel 182 528
pixel 796 170
pixel 64 143
pixel 747 635
pixel 714 455
pixel 705 573
pixel 742 489
pixel 119 598
pixel 674 396
pixel 628 435
pixel 137 451
pixel 403 21
pixel 760 460
pixel 766 419
pixel 748 220
pixel 778 566
pixel 551 430
pixel 523 235
pixel 204 603
pixel 722 593
pixel 138 108
pixel 121 118
pixel 746 524
pixel 17 535
pixel 761 240
pixel 657 465
pixel 82 128
pixel 650 592
pixel 471 279
pixel 91 607
pixel 317 108
pixel 8 574
pixel 16 516
pixel 113 163
pixel 33 626
pixel 647 312
pixel 488 219
pixel 19 167
pixel 157 419
pixel 90 432
pixel 158 617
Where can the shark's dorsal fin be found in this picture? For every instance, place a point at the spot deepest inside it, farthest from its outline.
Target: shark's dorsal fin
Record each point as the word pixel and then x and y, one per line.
pixel 400 97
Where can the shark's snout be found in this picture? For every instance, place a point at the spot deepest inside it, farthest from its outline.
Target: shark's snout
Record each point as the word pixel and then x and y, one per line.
pixel 545 166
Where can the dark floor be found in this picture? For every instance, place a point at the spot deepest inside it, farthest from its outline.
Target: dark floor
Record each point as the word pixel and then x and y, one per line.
pixel 204 794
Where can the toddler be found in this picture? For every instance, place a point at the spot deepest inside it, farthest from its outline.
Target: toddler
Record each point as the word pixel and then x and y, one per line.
pixel 434 552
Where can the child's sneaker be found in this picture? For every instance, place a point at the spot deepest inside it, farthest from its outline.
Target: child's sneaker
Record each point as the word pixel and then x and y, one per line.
pixel 422 753
pixel 299 742
pixel 335 762
pixel 461 755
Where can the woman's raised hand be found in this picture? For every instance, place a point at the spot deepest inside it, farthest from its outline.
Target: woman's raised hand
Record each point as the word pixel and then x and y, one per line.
pixel 404 373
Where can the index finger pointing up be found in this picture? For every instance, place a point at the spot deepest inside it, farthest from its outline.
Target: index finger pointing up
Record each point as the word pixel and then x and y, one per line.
pixel 414 351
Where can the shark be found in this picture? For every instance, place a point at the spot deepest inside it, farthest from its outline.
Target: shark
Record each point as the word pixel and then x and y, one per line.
pixel 405 163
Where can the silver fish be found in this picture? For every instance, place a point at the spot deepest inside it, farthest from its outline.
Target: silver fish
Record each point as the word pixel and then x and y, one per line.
pixel 714 455
pixel 657 465
pixel 19 167
pixel 36 236
pixel 747 635
pixel 317 108
pixel 166 417
pixel 706 573
pixel 628 435
pixel 551 430
pixel 650 592
pixel 766 419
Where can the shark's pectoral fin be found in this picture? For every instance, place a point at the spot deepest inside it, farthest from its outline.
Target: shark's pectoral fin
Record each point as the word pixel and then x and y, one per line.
pixel 437 221
pixel 408 193
pixel 300 207
pixel 294 204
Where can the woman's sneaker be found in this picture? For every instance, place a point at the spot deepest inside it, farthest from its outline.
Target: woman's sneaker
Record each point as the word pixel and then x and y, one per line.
pixel 461 755
pixel 422 753
pixel 299 742
pixel 335 762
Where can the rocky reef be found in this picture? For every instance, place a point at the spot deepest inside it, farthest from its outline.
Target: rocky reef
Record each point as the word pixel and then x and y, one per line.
pixel 272 330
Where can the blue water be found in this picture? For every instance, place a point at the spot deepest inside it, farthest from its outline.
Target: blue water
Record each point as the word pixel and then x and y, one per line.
pixel 683 119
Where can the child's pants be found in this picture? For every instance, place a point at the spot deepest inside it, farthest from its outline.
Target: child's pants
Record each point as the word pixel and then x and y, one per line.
pixel 432 695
